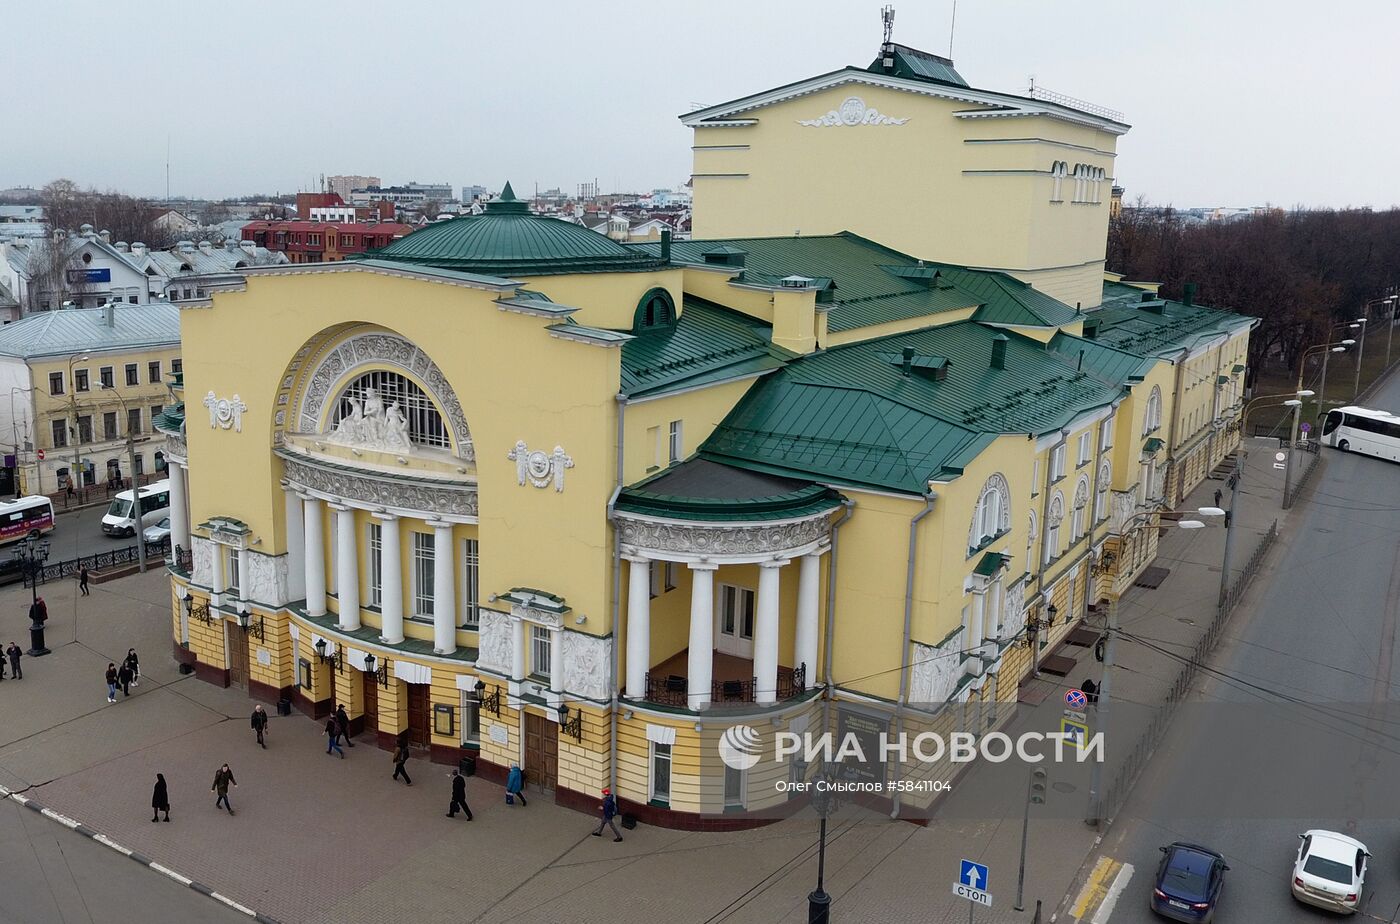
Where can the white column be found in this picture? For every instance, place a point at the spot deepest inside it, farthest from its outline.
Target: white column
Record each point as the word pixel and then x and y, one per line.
pixel 347 563
pixel 179 515
pixel 805 640
pixel 765 636
pixel 701 661
pixel 517 662
pixel 444 589
pixel 296 544
pixel 390 580
pixel 556 663
pixel 638 625
pixel 315 571
pixel 243 556
pixel 975 631
pixel 216 578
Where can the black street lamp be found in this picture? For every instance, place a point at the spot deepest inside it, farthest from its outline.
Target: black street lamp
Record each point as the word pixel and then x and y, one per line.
pixel 818 901
pixel 30 556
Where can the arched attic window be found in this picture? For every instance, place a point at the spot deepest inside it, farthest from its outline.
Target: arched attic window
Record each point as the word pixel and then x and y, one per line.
pixel 656 311
pixel 380 406
pixel 1081 504
pixel 1105 483
pixel 1057 173
pixel 1053 519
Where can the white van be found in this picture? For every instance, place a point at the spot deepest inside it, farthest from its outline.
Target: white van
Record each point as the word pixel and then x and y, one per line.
pixel 155 506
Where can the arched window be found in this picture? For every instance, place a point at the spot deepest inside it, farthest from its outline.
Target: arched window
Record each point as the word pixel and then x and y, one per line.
pixel 1153 418
pixel 1057 179
pixel 1101 496
pixel 1053 519
pixel 1081 505
pixel 372 403
pixel 1031 534
pixel 656 311
pixel 992 517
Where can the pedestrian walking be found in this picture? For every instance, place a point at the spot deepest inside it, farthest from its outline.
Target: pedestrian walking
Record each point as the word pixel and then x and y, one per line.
pixel 223 777
pixel 1091 691
pixel 134 663
pixel 1218 496
pixel 111 682
pixel 459 796
pixel 14 652
pixel 515 783
pixel 160 799
pixel 332 733
pixel 82 580
pixel 3 662
pixel 400 759
pixel 260 724
pixel 342 723
pixel 608 808
pixel 124 678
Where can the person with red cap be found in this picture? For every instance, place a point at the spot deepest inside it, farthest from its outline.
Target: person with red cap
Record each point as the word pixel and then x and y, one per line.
pixel 608 808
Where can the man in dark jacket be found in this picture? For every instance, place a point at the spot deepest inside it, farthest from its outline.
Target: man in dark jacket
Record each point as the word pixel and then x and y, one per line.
pixel 83 580
pixel 14 652
pixel 342 724
pixel 124 678
pixel 222 778
pixel 459 796
pixel 401 758
pixel 608 808
pixel 134 663
pixel 260 723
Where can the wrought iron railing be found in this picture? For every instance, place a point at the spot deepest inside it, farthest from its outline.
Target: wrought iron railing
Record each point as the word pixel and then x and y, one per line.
pixel 1050 96
pixel 183 560
pixel 673 689
pixel 669 690
pixel 101 561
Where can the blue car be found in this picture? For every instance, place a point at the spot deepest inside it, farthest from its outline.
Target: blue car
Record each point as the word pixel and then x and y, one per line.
pixel 1188 882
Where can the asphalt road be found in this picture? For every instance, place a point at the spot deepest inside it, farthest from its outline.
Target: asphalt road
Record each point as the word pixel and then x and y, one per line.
pixel 52 874
pixel 1296 723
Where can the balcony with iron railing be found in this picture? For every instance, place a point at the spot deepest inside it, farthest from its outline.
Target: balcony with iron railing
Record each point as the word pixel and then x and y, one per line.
pixel 733 682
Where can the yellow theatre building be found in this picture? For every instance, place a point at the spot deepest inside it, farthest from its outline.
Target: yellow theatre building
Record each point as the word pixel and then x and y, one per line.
pixel 537 497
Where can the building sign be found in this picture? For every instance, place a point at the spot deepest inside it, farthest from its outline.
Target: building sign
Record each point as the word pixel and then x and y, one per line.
pixel 84 276
pixel 867 729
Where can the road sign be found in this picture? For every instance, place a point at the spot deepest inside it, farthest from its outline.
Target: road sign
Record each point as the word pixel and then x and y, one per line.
pixel 973 875
pixel 1076 732
pixel 1280 456
pixel 1280 465
pixel 1076 716
pixel 972 895
pixel 40 454
pixel 1077 699
pixel 1306 428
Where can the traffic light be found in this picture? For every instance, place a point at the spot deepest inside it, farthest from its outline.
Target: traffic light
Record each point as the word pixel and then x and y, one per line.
pixel 1038 780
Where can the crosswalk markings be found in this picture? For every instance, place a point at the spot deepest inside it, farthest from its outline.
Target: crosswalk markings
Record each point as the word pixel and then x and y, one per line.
pixel 1120 882
pixel 1101 890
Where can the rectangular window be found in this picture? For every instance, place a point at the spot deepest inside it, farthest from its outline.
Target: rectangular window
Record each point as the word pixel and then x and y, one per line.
pixel 333 548
pixel 654 575
pixel 55 383
pixel 470 593
pixel 1035 478
pixel 176 366
pixel 304 673
pixel 140 464
pixel 156 411
pixel 733 788
pixel 80 380
pixel 1057 462
pixel 231 571
pixel 133 421
pixel 660 772
pixel 375 597
pixel 1085 445
pixel 423 574
pixel 674 447
pixel 105 376
pixel 1106 433
pixel 670 581
pixel 85 428
pixel 109 425
pixel 60 433
pixel 133 374
pixel 654 441
pixel 736 611
pixel 471 718
pixel 153 372
pixel 131 299
pixel 1101 503
pixel 539 651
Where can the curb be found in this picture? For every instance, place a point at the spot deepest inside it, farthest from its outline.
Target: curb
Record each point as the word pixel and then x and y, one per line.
pixel 103 839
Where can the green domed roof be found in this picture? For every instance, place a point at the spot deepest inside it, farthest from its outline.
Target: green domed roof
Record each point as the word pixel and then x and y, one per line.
pixel 510 241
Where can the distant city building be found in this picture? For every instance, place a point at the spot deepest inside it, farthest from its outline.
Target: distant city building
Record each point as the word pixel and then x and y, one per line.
pixel 409 195
pixel 82 271
pixel 322 242
pixel 343 184
pixel 189 271
pixel 471 193
pixel 1115 202
pixel 13 214
pixel 173 221
pixel 331 207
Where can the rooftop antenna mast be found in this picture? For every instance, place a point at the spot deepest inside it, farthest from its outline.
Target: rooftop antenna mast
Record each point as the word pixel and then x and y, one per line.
pixel 887 16
pixel 952 26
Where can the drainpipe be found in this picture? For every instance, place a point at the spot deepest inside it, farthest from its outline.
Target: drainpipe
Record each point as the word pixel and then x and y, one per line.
pixel 906 666
pixel 1041 566
pixel 616 597
pixel 830 629
pixel 1172 427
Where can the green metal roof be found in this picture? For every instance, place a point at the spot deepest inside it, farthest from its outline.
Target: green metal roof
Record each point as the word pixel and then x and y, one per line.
pixel 849 415
pixel 510 241
pixel 1158 327
pixel 1152 445
pixel 1008 300
pixel 707 344
pixel 171 419
pixel 918 65
pixel 872 283
pixel 699 489
pixel 990 564
pixel 1106 363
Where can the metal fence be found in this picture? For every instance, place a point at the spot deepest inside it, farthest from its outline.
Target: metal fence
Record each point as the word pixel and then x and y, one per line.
pixel 101 561
pixel 1146 745
pixel 1309 450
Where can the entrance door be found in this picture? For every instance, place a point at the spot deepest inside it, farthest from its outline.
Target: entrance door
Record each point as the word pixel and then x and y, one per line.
pixel 734 617
pixel 236 644
pixel 370 697
pixel 418 731
pixel 541 751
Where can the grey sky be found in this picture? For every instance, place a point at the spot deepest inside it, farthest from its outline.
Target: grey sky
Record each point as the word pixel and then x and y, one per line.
pixel 1233 102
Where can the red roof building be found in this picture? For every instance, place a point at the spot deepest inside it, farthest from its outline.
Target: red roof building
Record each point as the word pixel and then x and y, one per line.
pixel 323 241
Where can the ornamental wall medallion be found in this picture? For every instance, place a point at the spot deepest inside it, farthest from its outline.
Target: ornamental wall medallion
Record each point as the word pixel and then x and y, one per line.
pixel 225 412
pixel 852 112
pixel 538 467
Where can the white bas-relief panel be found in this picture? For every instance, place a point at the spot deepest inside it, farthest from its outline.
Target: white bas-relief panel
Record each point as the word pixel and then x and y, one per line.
pixel 1014 612
pixel 852 112
pixel 267 578
pixel 203 552
pixel 936 671
pixel 495 643
pixel 586 659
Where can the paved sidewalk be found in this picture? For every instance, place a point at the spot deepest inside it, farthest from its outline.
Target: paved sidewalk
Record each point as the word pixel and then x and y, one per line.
pixel 295 852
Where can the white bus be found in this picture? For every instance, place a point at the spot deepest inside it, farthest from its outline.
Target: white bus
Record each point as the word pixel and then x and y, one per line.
pixel 1363 430
pixel 120 520
pixel 20 518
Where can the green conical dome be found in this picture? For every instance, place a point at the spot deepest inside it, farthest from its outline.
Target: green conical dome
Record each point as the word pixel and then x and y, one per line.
pixel 510 241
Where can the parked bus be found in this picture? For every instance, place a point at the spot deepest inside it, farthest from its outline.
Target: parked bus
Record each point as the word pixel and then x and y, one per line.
pixel 1363 430
pixel 21 517
pixel 120 520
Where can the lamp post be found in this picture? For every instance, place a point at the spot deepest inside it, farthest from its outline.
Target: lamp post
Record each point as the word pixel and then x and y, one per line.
pixel 30 556
pixel 1360 351
pixel 77 431
pixel 1393 300
pixel 1095 813
pixel 1297 405
pixel 138 524
pixel 818 901
pixel 1322 388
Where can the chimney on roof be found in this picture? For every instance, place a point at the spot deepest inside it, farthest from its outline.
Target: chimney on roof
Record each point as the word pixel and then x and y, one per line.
pixel 109 314
pixel 105 235
pixel 666 245
pixel 908 361
pixel 999 343
pixel 248 246
pixel 185 246
pixel 1188 293
pixel 138 249
pixel 206 247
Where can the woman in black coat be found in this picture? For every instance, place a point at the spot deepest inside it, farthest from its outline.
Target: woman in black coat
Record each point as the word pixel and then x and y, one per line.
pixel 160 799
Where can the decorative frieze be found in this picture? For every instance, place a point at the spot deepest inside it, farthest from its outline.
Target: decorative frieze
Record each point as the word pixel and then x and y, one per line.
pixel 369 491
pixel 266 580
pixel 495 642
pixel 586 662
pixel 937 669
pixel 710 539
pixel 1013 611
pixel 203 553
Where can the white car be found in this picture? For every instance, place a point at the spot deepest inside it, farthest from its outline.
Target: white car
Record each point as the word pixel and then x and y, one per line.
pixel 1330 871
pixel 158 531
